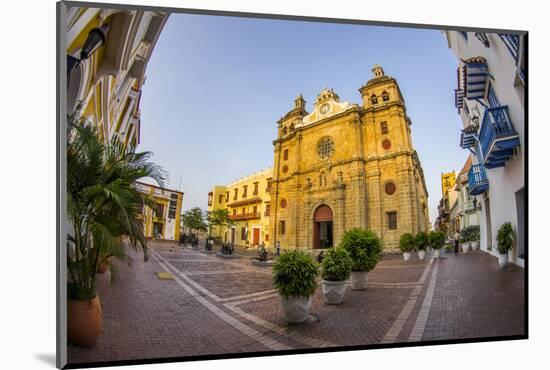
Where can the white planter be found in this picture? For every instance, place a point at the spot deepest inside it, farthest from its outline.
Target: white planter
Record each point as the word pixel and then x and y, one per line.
pixel 475 245
pixel 358 280
pixel 296 308
pixel 436 253
pixel 406 256
pixel 502 260
pixel 333 291
pixel 421 255
pixel 465 247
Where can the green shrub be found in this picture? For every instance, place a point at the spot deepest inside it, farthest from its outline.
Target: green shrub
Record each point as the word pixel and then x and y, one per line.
pixel 470 234
pixel 436 239
pixel 406 242
pixel 449 247
pixel 364 248
pixel 336 265
pixel 505 238
pixel 294 274
pixel 421 240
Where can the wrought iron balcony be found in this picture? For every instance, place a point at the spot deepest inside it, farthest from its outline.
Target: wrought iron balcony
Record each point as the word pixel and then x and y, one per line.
pixel 477 179
pixel 497 137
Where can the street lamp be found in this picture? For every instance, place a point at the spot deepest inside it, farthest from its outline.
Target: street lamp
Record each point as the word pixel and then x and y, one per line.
pixel 96 39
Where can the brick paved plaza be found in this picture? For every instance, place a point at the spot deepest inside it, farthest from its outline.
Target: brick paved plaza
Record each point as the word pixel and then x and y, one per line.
pixel 219 306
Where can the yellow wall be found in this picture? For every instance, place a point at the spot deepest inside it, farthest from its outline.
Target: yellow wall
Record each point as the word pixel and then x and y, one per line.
pixel 260 201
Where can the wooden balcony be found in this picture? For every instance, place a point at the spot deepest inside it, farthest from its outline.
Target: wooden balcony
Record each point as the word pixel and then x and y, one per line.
pixel 477 180
pixel 245 216
pixel 497 137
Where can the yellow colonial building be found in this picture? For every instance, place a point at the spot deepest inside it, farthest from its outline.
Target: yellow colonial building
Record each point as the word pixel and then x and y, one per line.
pixel 346 165
pixel 448 198
pixel 340 166
pixel 248 203
pixel 162 222
pixel 107 54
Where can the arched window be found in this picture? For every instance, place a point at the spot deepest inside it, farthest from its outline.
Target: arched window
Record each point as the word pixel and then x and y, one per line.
pixel 385 96
pixel 284 131
pixel 373 99
pixel 292 127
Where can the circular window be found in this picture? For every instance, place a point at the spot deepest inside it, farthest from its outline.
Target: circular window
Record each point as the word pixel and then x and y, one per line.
pixel 390 188
pixel 283 203
pixel 386 144
pixel 285 169
pixel 325 147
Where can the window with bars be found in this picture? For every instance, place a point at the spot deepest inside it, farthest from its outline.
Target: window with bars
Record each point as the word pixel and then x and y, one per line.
pixel 282 227
pixel 325 147
pixel 392 220
pixel 384 127
pixel 173 205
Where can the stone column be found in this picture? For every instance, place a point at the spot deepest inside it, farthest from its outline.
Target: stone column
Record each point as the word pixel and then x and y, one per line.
pixel 375 220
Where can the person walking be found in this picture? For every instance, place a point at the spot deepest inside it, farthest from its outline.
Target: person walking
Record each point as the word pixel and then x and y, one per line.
pixel 457 240
pixel 278 248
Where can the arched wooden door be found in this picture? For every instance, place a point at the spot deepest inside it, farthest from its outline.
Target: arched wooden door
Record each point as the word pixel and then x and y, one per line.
pixel 322 227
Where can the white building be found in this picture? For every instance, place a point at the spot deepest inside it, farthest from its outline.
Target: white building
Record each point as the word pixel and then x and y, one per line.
pixel 490 100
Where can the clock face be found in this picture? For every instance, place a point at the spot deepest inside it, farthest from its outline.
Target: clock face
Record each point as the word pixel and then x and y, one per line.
pixel 325 108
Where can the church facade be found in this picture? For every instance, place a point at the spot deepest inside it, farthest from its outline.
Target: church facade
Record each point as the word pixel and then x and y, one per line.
pixel 346 165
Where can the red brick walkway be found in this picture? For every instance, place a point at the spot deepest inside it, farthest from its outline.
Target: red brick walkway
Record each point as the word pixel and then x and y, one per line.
pixel 217 306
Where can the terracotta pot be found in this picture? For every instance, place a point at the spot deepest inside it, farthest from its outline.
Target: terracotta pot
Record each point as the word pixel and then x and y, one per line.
pixel 84 321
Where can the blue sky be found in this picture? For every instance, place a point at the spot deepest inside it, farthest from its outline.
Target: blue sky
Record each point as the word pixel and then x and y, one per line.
pixel 217 85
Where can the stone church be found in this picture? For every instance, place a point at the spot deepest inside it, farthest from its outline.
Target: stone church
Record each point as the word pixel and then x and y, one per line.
pixel 345 165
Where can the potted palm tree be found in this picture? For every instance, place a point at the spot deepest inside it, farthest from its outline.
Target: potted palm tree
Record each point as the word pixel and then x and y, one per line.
pixel 436 240
pixel 364 248
pixel 335 270
pixel 420 244
pixel 294 274
pixel 406 245
pixel 505 242
pixel 104 211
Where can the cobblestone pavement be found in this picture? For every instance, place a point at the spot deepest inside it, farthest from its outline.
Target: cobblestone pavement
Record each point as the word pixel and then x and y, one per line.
pixel 218 306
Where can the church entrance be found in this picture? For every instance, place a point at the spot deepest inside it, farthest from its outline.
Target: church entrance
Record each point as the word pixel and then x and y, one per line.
pixel 322 227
